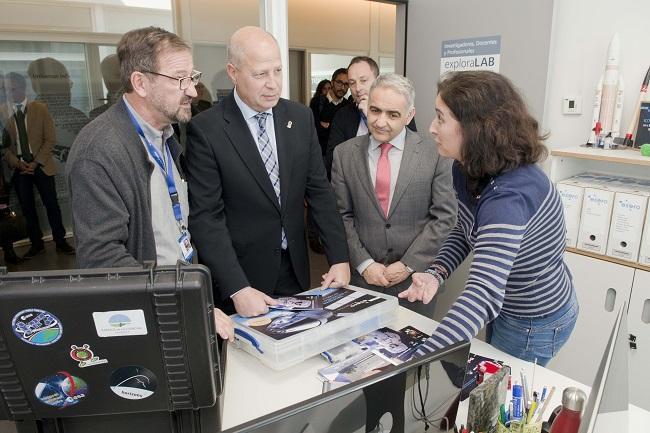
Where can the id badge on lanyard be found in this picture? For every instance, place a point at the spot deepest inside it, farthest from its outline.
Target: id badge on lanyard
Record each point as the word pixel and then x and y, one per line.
pixel 184 241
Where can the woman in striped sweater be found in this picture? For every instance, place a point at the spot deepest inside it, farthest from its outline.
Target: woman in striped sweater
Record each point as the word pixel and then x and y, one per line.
pixel 509 216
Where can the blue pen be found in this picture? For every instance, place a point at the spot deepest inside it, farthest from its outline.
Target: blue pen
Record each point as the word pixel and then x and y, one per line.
pixel 245 335
pixel 543 394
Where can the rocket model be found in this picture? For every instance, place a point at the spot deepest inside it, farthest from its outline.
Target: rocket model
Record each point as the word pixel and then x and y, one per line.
pixel 608 98
pixel 643 97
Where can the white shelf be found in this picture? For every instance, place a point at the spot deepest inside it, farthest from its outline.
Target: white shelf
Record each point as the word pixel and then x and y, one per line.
pixel 627 263
pixel 622 156
pixel 570 161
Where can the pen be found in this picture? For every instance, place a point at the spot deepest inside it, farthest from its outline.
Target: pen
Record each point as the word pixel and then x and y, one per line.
pixel 543 395
pixel 541 412
pixel 502 413
pixel 524 384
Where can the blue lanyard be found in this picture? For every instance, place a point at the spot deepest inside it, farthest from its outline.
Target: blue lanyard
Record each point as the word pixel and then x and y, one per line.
pixel 168 171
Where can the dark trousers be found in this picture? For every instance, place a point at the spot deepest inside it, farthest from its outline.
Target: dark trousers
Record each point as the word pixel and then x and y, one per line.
pixel 286 285
pixel 24 184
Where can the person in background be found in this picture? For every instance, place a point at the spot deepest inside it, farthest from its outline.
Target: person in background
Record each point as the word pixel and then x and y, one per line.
pixel 327 106
pixel 322 89
pixel 110 68
pixel 394 194
pixel 203 99
pixel 29 138
pixel 253 160
pixel 125 172
pixel 352 119
pixel 509 216
pixel 6 242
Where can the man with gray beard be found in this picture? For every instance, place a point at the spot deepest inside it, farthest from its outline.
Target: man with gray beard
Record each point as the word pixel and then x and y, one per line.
pixel 125 169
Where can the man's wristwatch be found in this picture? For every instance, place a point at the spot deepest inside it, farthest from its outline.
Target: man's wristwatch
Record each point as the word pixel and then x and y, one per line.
pixel 409 269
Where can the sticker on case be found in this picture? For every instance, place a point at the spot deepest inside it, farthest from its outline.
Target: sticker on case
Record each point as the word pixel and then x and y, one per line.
pixel 133 382
pixel 85 357
pixel 120 323
pixel 61 390
pixel 37 327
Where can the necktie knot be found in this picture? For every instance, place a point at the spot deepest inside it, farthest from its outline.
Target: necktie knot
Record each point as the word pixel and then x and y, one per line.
pixel 19 108
pixel 261 120
pixel 385 147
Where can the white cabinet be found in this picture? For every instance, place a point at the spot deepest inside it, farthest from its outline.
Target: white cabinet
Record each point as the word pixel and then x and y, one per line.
pixel 603 283
pixel 601 287
pixel 639 326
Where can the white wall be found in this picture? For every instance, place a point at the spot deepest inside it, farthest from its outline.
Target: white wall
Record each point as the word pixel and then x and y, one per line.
pixel 525 30
pixel 317 25
pixel 582 30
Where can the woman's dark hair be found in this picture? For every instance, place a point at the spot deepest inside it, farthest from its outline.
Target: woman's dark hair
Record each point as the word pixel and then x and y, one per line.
pixel 319 88
pixel 498 132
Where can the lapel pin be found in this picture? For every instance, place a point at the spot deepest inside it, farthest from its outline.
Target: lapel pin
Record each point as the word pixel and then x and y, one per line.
pixel 289 124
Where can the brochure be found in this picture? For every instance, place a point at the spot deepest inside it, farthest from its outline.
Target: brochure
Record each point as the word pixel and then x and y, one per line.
pixel 282 323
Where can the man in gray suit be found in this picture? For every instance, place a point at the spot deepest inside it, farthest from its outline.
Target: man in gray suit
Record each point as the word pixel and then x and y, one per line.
pixel 394 193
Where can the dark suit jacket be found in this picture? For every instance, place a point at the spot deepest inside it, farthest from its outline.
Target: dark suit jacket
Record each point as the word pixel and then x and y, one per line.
pixel 344 126
pixel 235 218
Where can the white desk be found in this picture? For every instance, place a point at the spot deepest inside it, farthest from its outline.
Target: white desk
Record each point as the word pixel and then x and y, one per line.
pixel 253 390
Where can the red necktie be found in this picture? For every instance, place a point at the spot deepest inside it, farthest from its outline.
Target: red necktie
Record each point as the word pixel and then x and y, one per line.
pixel 382 180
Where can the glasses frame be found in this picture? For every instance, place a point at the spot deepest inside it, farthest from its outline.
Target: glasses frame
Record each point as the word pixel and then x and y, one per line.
pixel 193 79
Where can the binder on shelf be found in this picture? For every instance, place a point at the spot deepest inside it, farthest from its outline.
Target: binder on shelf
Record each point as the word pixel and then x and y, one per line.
pixel 572 196
pixel 595 220
pixel 628 215
pixel 644 250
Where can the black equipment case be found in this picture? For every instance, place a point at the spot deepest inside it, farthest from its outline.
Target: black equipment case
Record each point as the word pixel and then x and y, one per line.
pixel 109 350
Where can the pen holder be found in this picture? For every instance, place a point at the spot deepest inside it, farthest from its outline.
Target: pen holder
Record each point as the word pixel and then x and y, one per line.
pixel 519 427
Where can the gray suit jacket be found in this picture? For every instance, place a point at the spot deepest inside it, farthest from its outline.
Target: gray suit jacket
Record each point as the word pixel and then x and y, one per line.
pixel 422 211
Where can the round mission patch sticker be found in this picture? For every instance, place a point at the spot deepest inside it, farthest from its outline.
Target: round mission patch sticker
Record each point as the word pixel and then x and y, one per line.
pixel 61 390
pixel 37 327
pixel 133 382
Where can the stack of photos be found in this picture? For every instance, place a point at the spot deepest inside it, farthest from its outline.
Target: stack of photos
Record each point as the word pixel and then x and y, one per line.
pixel 370 354
pixel 308 310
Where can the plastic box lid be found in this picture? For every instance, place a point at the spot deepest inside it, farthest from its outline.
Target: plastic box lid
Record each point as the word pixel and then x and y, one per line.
pixel 281 339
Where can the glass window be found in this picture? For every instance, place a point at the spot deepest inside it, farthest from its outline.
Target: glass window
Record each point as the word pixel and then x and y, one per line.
pixel 56 73
pixel 324 65
pixel 386 65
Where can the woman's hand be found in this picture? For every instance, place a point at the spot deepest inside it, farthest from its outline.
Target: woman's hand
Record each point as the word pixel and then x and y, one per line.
pixel 424 288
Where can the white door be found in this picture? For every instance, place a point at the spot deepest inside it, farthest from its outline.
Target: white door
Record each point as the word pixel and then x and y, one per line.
pixel 639 326
pixel 601 287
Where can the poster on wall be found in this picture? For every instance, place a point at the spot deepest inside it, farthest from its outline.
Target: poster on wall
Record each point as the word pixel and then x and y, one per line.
pixel 471 54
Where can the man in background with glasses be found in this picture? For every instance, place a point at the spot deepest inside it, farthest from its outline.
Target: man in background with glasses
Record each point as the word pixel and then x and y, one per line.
pixel 125 170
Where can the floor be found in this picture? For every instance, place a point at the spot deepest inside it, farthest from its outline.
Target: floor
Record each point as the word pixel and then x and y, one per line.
pixel 50 260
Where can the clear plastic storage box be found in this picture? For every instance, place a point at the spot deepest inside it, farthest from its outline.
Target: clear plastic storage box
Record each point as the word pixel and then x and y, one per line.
pixel 282 338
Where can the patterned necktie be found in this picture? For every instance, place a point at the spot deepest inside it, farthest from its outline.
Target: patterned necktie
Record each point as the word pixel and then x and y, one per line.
pixel 382 180
pixel 22 134
pixel 269 160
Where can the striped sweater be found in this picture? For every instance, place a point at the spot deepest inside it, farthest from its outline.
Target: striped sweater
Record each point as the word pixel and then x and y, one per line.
pixel 516 231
